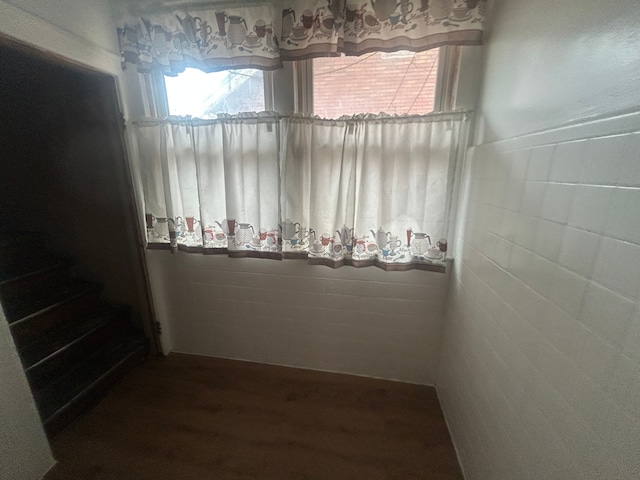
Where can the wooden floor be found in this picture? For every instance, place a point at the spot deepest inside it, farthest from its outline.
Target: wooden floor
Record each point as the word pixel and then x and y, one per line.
pixel 187 417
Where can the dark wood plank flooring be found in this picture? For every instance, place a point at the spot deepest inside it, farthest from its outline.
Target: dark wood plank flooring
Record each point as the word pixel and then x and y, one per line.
pixel 188 417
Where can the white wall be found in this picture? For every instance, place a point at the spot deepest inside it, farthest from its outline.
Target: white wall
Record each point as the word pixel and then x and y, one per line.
pixel 550 62
pixel 362 321
pixel 540 366
pixel 24 451
pixel 87 19
pixel 79 30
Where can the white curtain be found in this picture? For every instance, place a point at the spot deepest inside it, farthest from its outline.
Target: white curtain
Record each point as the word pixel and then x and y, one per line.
pixel 212 185
pixel 364 190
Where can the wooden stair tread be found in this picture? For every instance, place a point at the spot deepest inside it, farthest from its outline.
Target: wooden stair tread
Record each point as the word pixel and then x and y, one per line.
pixel 65 335
pixel 46 298
pixel 26 268
pixel 72 344
pixel 84 401
pixel 29 329
pixel 71 385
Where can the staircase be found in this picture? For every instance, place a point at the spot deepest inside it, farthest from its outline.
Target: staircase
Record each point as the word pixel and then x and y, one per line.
pixel 73 345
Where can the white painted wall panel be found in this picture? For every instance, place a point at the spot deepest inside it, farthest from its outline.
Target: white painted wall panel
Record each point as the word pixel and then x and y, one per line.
pixel 538 378
pixel 550 62
pixel 361 321
pixel 540 372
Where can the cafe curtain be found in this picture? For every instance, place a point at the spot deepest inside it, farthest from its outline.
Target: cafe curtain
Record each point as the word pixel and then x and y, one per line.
pixel 261 35
pixel 212 185
pixel 363 190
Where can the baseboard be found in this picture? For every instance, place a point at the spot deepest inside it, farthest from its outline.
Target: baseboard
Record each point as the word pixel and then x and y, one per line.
pixel 306 368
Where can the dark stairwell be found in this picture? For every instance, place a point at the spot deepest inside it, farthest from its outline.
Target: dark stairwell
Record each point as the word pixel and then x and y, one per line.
pixel 73 344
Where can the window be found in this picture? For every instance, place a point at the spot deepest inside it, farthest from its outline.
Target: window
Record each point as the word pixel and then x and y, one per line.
pixel 205 95
pixel 394 83
pixel 303 173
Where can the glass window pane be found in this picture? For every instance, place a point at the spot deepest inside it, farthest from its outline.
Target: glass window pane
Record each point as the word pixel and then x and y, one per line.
pixel 394 83
pixel 204 95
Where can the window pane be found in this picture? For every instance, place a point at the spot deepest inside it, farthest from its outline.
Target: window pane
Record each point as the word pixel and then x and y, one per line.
pixel 394 83
pixel 204 95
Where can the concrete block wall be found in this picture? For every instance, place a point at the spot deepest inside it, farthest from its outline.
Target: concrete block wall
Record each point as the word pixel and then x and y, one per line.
pixel 360 321
pixel 540 368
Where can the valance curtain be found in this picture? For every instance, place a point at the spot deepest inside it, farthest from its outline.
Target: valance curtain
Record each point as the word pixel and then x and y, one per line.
pixel 364 190
pixel 263 34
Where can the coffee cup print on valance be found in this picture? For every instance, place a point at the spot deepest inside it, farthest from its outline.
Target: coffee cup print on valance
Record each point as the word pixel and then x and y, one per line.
pixel 320 28
pixel 222 36
pixel 210 39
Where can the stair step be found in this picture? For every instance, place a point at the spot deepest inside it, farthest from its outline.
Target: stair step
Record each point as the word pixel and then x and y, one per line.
pixel 73 394
pixel 26 267
pixel 55 354
pixel 47 297
pixel 60 336
pixel 73 346
pixel 15 287
pixel 85 401
pixel 29 329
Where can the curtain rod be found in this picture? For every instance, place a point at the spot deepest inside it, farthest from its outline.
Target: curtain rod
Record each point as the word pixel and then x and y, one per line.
pixel 267 117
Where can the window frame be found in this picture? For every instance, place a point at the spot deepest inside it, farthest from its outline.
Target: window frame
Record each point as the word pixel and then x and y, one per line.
pixel 446 82
pixel 290 89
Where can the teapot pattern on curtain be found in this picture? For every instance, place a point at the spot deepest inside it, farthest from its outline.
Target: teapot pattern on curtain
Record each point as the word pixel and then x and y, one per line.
pixel 385 249
pixel 225 235
pixel 358 27
pixel 241 186
pixel 219 38
pixel 212 39
pixel 388 250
